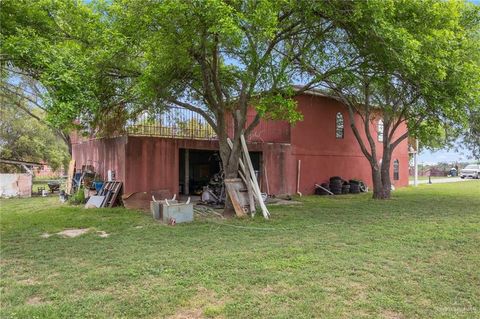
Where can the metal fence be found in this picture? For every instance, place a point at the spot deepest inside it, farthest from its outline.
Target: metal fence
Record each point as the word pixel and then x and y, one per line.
pixel 174 122
pixel 182 123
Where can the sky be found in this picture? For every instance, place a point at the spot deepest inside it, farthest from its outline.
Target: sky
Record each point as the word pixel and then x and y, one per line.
pixel 449 156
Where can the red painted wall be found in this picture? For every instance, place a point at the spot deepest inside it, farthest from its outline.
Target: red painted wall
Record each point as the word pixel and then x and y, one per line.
pixel 268 131
pixel 322 155
pixel 104 154
pixel 265 131
pixel 152 163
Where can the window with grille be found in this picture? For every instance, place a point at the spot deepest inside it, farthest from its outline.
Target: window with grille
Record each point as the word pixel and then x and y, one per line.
pixel 380 130
pixel 396 170
pixel 339 131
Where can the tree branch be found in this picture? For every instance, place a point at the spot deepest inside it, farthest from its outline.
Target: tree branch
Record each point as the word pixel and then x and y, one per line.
pixel 198 110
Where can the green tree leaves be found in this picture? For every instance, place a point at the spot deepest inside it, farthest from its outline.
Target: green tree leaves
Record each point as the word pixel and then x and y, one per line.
pixel 24 138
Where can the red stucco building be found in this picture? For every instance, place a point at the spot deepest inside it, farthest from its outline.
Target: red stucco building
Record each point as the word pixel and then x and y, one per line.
pixel 152 163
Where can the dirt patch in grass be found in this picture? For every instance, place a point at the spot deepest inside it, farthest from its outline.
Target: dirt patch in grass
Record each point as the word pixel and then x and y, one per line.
pixel 268 290
pixel 359 291
pixel 204 304
pixel 279 288
pixel 189 314
pixel 73 232
pixel 102 234
pixel 28 282
pixel 35 301
pixel 389 314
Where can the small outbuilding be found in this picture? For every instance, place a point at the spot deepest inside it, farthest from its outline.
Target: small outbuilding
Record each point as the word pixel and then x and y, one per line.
pixel 17 184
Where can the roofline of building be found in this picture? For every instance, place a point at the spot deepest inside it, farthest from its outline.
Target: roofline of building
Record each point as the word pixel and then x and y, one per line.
pixel 15 162
pixel 314 92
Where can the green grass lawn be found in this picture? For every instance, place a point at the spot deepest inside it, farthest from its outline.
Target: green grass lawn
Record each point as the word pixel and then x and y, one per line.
pixel 423 178
pixel 417 255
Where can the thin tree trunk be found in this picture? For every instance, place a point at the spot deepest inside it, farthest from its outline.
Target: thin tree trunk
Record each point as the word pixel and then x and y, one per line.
pixel 66 138
pixel 231 171
pixel 385 170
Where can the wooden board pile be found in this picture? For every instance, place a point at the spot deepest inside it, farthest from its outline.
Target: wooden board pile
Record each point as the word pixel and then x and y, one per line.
pixel 244 192
pixel 71 172
pixel 107 197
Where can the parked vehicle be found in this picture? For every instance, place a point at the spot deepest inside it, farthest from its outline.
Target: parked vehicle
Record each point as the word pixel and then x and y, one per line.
pixel 472 170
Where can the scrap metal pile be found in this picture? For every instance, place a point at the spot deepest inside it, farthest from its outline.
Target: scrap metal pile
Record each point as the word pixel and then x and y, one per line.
pixel 97 191
pixel 214 192
pixel 244 192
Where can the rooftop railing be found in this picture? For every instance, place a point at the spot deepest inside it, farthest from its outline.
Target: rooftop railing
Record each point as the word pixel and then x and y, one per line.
pixel 182 123
pixel 173 123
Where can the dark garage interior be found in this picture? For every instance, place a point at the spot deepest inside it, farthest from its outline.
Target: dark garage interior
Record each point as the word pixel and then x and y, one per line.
pixel 202 167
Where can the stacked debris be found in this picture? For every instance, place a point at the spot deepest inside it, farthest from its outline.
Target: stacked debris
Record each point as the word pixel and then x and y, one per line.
pixel 214 192
pixel 86 185
pixel 244 192
pixel 338 186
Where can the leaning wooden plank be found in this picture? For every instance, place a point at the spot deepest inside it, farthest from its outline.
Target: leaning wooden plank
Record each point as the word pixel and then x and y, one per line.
pixel 247 175
pixel 108 193
pixel 71 172
pixel 104 189
pixel 250 197
pixel 242 165
pixel 266 176
pixel 253 176
pixel 232 193
pixel 256 188
pixel 251 201
pixel 116 191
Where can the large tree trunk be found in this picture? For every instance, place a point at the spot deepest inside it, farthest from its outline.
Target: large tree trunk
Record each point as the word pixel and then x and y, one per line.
pixel 382 183
pixel 378 189
pixel 230 169
pixel 231 156
pixel 381 177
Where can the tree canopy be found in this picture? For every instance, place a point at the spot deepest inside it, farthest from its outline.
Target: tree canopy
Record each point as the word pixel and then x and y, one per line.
pixel 24 138
pixel 99 64
pixel 411 62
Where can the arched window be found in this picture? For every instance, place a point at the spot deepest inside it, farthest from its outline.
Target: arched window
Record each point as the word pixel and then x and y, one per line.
pixel 380 130
pixel 396 170
pixel 339 130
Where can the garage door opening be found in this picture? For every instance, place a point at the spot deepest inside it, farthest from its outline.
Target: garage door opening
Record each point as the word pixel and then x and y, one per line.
pixel 197 167
pixel 200 168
